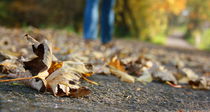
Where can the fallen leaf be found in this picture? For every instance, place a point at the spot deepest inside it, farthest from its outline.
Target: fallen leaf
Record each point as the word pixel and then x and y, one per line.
pixel 54 66
pixel 44 74
pixel 82 91
pixel 160 73
pixel 117 64
pixel 201 83
pixel 146 77
pixel 164 76
pixel 43 59
pixel 122 75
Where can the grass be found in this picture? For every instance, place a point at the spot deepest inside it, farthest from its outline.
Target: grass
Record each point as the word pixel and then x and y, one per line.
pixel 204 42
pixel 68 28
pixel 159 39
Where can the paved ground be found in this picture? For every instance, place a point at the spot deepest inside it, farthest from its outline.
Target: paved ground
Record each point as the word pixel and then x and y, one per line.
pixel 176 40
pixel 111 95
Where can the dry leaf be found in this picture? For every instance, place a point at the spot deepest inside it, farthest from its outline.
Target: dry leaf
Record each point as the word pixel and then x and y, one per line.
pixel 118 70
pixel 11 66
pixel 82 91
pixel 146 77
pixel 160 73
pixel 137 66
pixel 117 64
pixel 201 83
pixel 54 66
pixel 66 78
pixel 43 59
pixel 60 78
pixel 164 76
pixel 187 75
pixel 122 75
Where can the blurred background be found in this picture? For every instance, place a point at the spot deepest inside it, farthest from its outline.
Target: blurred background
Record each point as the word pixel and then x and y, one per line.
pixel 156 21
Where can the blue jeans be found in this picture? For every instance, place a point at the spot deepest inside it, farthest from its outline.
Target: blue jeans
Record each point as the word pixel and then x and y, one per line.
pixel 91 20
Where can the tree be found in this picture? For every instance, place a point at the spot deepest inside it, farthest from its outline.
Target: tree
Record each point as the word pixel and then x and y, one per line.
pixel 199 13
pixel 147 18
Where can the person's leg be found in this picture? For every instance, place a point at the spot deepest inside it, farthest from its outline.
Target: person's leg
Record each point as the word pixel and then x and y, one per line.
pixel 107 20
pixel 91 19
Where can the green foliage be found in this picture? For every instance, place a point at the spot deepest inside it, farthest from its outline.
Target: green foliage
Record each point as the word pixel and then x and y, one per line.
pixel 205 40
pixel 199 13
pixel 5 16
pixel 3 13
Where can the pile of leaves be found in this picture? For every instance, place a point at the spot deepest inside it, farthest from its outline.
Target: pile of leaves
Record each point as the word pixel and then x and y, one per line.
pixel 45 72
pixel 77 60
pixel 145 70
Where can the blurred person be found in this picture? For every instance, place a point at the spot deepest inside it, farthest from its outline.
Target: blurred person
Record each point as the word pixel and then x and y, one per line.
pixel 91 17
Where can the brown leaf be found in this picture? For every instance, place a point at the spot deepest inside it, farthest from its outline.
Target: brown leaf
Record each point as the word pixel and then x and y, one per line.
pixel 44 59
pixel 136 66
pixel 60 78
pixel 117 69
pixel 82 91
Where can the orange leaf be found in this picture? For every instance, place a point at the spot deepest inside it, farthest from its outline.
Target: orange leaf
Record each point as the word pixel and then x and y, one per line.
pixel 115 62
pixel 54 66
pixel 87 74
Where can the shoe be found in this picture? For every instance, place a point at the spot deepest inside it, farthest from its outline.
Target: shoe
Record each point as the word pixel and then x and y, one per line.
pixel 89 42
pixel 108 44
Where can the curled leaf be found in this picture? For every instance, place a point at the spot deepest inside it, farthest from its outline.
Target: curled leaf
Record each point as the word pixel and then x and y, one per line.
pixel 45 73
pixel 43 59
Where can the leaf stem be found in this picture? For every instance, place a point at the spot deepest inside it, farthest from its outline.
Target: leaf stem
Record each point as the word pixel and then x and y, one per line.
pixel 90 81
pixel 17 79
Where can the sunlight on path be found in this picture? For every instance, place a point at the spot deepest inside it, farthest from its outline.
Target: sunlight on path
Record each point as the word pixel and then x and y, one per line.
pixel 176 40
